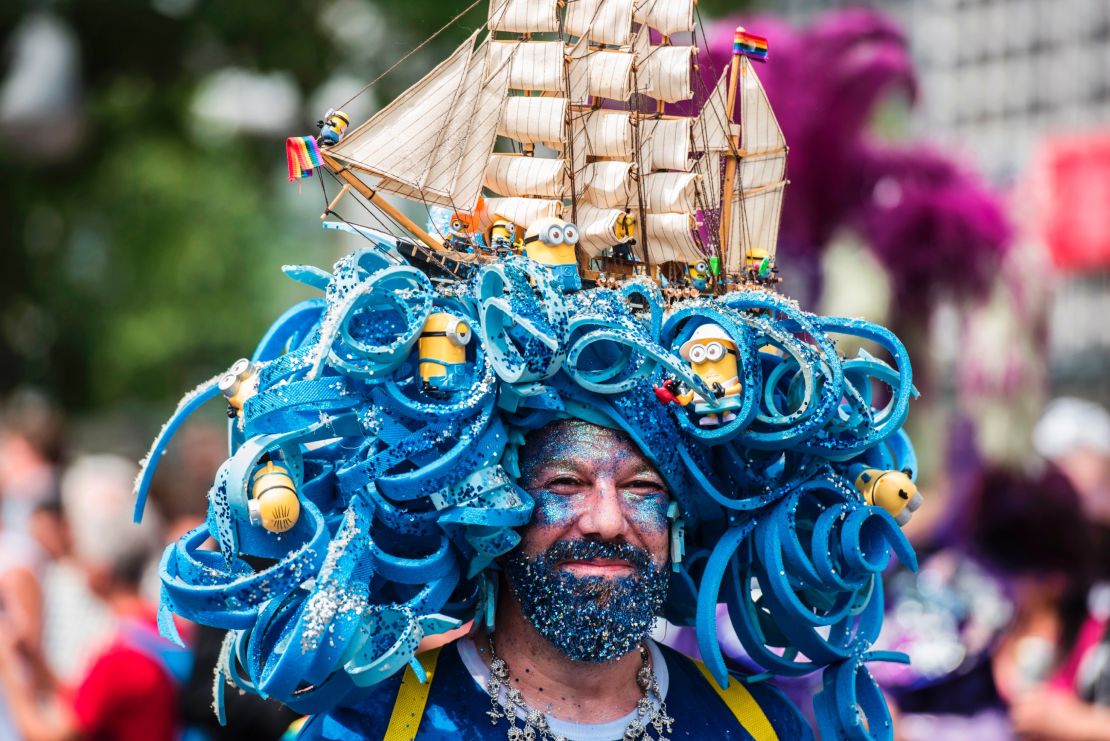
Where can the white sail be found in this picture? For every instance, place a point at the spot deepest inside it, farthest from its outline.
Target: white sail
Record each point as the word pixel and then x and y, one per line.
pixel 515 175
pixel 534 120
pixel 665 144
pixel 761 176
pixel 603 21
pixel 760 130
pixel 670 192
pixel 436 152
pixel 714 126
pixel 483 135
pixel 524 16
pixel 668 17
pixel 608 134
pixel 708 168
pixel 664 72
pixel 523 211
pixel 533 65
pixel 607 184
pixel 597 228
pixel 600 73
pixel 754 227
pixel 669 237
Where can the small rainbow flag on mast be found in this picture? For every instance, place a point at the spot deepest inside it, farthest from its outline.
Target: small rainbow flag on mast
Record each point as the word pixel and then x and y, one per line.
pixel 750 45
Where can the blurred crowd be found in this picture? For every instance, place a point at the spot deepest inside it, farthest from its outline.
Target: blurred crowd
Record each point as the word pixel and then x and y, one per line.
pixel 1007 621
pixel 81 655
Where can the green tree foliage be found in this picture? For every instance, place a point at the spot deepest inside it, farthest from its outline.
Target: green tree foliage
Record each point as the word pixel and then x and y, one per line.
pixel 146 256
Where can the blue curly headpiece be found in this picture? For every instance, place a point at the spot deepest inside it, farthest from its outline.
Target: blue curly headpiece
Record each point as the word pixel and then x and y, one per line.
pixel 407 493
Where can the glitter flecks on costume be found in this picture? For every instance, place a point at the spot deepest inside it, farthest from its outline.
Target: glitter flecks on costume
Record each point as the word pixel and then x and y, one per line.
pixel 407 490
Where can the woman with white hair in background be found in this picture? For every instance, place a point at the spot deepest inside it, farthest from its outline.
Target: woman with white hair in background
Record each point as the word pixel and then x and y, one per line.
pixel 130 688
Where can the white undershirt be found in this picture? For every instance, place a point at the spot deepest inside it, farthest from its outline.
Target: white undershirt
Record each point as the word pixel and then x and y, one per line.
pixel 613 729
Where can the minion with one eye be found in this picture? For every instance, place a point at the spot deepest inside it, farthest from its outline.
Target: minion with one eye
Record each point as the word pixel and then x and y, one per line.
pixel 333 127
pixel 551 241
pixel 502 237
pixel 712 356
pixel 894 491
pixel 442 353
pixel 460 233
pixel 698 274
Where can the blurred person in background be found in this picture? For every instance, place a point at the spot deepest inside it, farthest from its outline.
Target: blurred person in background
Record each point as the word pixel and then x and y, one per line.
pixel 30 452
pixel 997 613
pixel 1075 703
pixel 130 689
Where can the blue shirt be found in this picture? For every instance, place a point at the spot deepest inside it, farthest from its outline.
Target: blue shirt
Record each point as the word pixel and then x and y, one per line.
pixel 457 706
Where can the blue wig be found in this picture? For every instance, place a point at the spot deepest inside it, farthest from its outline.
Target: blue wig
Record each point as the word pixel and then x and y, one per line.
pixel 408 495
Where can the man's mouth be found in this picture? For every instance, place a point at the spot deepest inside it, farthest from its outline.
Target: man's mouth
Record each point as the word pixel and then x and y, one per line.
pixel 596 567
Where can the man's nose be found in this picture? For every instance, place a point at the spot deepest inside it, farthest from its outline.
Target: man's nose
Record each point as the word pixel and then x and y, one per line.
pixel 604 517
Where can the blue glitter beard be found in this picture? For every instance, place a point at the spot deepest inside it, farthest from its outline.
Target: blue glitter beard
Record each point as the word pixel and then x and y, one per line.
pixel 589 618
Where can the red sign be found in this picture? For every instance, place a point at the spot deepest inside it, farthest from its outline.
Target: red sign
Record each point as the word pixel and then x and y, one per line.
pixel 1073 179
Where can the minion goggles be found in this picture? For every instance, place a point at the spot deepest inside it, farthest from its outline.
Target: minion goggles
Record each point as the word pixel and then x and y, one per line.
pixel 711 351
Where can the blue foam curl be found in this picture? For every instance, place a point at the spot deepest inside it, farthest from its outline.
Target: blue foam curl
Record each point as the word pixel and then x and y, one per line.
pixel 409 497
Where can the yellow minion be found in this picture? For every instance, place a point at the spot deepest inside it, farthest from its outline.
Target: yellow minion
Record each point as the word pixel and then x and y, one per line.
pixel 757 264
pixel 442 352
pixel 551 241
pixel 894 491
pixel 698 273
pixel 273 503
pixel 712 356
pixel 333 127
pixel 501 236
pixel 239 384
pixel 625 228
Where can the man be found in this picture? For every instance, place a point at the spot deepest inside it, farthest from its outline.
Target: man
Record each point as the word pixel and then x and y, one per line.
pixel 569 656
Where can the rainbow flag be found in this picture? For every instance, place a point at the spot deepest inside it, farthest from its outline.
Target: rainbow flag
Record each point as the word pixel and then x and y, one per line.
pixel 750 45
pixel 301 155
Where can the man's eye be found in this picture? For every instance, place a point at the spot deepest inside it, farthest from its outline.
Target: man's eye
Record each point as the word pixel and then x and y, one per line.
pixel 564 481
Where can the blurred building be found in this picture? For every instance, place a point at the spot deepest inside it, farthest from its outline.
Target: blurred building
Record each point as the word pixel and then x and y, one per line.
pixel 1014 88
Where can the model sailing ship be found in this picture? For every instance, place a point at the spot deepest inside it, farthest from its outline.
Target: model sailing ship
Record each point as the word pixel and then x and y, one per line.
pixel 546 133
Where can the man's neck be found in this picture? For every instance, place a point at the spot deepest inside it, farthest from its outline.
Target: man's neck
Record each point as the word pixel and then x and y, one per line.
pixel 551 682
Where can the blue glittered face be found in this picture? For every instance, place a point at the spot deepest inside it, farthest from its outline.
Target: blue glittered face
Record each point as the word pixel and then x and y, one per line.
pixel 594 479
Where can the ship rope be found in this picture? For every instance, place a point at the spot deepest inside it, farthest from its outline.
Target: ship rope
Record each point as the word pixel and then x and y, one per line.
pixel 412 52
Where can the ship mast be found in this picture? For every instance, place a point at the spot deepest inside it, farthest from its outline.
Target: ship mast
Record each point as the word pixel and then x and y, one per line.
pixel 734 146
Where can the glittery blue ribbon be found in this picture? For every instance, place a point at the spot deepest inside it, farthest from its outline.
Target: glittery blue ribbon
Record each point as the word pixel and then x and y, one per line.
pixel 409 496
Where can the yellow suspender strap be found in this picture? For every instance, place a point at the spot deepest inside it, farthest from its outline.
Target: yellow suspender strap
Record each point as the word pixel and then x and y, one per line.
pixel 743 706
pixel 408 709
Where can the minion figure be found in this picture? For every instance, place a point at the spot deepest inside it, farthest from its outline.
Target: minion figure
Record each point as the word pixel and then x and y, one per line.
pixel 273 503
pixel 442 353
pixel 502 237
pixel 239 384
pixel 333 127
pixel 550 241
pixel 698 275
pixel 712 356
pixel 625 228
pixel 460 233
pixel 757 265
pixel 894 491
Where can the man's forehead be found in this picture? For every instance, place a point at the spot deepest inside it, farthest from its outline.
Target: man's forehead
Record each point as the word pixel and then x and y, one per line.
pixel 566 438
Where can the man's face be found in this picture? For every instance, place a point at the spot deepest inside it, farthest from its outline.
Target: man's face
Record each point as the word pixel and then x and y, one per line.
pixel 590 572
pixel 593 483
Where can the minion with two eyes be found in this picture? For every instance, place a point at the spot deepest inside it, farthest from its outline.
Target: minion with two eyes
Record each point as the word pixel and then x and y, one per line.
pixel 550 241
pixel 442 353
pixel 712 356
pixel 333 127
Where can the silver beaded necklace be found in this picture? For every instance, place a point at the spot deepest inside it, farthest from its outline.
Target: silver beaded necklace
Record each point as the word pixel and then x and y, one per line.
pixel 649 715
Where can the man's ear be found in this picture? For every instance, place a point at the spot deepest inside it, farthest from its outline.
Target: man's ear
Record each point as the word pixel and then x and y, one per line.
pixel 678 535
